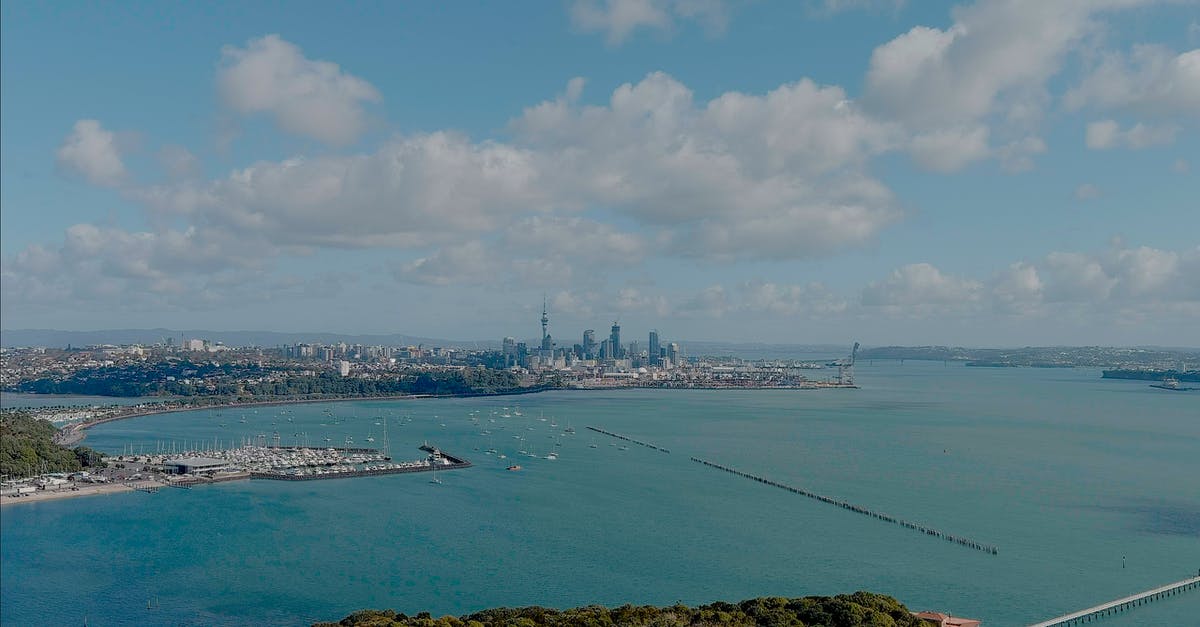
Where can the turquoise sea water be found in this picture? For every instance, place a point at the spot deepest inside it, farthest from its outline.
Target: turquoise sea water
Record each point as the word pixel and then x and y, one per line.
pixel 1065 472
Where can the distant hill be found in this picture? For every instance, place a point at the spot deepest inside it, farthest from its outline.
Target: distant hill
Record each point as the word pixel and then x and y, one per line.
pixel 51 338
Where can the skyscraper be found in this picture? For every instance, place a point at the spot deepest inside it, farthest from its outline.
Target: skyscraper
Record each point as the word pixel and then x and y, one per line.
pixel 589 344
pixel 615 337
pixel 655 349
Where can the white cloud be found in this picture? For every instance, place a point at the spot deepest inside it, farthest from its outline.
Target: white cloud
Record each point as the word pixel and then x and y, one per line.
pixel 306 97
pixel 1018 289
pixel 921 284
pixel 1150 79
pixel 949 150
pixel 410 192
pixel 1106 134
pixel 711 302
pixel 812 300
pixel 539 250
pixel 92 152
pixel 178 161
pixel 1017 156
pixel 1118 282
pixel 468 263
pixel 985 78
pixel 773 176
pixel 617 19
pixel 118 269
pixel 1074 277
pixel 1087 191
pixel 996 55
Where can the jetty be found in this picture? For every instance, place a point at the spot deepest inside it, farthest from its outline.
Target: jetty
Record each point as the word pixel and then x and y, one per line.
pixel 628 439
pixel 858 509
pixel 1122 604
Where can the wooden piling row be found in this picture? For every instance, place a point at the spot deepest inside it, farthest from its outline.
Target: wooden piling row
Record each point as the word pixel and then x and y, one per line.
pixel 628 439
pixel 972 544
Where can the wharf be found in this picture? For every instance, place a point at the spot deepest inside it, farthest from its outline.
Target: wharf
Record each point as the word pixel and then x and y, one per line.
pixel 1125 603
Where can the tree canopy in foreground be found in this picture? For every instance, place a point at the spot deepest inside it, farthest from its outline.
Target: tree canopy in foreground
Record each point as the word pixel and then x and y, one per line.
pixel 843 610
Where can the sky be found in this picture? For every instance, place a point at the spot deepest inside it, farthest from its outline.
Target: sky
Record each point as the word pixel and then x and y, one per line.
pixel 987 173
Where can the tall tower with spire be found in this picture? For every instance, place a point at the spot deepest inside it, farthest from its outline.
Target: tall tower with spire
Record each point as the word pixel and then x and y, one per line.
pixel 547 343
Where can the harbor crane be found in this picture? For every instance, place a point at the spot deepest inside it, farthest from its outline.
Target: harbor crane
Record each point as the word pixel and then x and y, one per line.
pixel 846 368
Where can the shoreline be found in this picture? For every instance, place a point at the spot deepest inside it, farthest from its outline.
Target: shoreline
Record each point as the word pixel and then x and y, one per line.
pixel 73 434
pixel 98 489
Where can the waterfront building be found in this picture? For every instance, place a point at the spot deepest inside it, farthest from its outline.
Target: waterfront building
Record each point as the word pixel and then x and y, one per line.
pixel 189 465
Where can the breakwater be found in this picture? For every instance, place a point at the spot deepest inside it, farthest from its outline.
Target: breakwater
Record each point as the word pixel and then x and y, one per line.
pixel 858 509
pixel 364 472
pixel 628 439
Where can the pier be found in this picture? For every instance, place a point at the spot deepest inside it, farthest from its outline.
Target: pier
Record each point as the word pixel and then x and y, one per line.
pixel 628 439
pixel 1122 604
pixel 858 509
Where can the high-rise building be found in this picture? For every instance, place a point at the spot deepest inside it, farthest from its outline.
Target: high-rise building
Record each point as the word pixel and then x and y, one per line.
pixel 589 344
pixel 673 353
pixel 615 337
pixel 655 350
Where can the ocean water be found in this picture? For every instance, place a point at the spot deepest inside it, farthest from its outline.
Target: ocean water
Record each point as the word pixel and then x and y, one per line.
pixel 1063 471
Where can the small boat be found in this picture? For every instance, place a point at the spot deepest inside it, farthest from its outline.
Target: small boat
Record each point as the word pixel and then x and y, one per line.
pixel 513 467
pixel 436 480
pixel 552 456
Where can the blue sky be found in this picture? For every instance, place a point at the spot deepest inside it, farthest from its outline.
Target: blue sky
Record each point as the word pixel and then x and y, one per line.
pixel 1003 172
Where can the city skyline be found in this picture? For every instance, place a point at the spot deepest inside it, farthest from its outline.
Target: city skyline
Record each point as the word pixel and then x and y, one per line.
pixel 981 173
